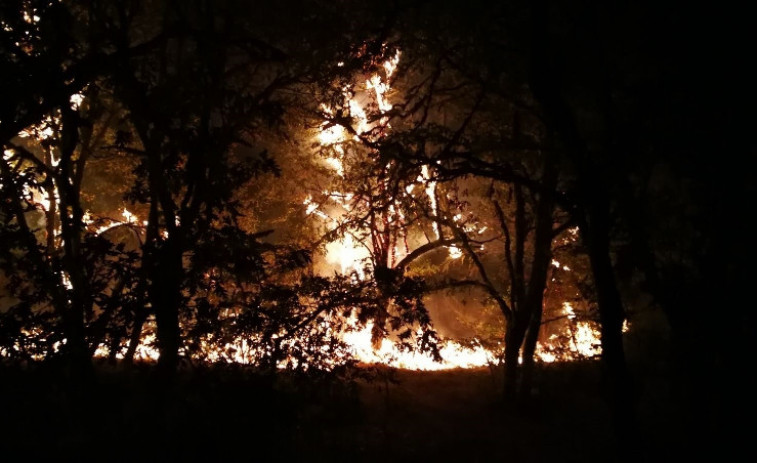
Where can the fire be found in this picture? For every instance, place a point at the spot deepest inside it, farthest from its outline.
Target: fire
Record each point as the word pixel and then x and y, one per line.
pixel 580 338
pixel 145 351
pixel 454 355
pixel 348 255
pixel 351 256
pixel 455 252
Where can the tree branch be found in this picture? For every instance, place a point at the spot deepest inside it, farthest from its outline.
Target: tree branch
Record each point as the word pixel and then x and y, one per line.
pixel 418 252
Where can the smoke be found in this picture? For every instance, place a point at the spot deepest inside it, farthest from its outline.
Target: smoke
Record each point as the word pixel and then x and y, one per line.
pixel 463 315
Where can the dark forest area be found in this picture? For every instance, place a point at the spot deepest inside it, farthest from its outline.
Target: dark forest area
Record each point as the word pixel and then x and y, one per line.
pixel 236 230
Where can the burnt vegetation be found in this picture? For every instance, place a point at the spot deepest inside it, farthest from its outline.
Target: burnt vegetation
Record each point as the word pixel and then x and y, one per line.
pixel 203 203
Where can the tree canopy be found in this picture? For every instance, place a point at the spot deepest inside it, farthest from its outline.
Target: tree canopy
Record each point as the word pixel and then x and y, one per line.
pixel 229 181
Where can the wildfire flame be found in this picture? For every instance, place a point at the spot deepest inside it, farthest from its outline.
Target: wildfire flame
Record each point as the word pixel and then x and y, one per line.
pixel 351 258
pixel 350 255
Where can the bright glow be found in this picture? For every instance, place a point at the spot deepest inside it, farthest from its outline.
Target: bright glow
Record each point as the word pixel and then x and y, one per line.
pixel 332 135
pixel 454 355
pixel 380 88
pixel 585 340
pixel 30 18
pixel 431 193
pixel 310 206
pixel 66 281
pixel 130 218
pixel 390 65
pixel 348 255
pixel 358 113
pixel 336 165
pixel 568 310
pixel 579 339
pixel 455 252
pixel 76 101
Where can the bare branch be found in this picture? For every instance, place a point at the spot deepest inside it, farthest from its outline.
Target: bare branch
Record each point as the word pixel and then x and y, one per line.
pixel 418 252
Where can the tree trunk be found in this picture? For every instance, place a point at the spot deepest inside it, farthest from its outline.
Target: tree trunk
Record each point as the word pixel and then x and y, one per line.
pixel 611 314
pixel 529 349
pixel 72 228
pixel 515 331
pixel 512 352
pixel 165 295
pixel 166 269
pixel 136 336
pixel 50 214
pixel 542 257
pixel 593 213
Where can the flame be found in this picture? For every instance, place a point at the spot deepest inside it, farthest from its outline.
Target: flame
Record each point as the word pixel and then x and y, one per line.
pixel 454 355
pixel 348 254
pixel 130 218
pixel 431 193
pixel 455 252
pixel 352 257
pixel 145 351
pixel 580 339
pixel 76 100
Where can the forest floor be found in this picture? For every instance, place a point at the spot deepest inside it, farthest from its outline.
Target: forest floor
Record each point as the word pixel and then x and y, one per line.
pixel 231 414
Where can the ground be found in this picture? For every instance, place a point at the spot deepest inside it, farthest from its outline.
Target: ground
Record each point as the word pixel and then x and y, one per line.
pixel 223 414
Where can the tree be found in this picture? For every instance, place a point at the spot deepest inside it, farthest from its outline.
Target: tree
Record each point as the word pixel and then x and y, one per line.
pixel 457 121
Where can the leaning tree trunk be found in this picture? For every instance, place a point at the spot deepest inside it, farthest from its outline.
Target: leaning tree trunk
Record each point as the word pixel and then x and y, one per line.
pixel 135 337
pixel 542 258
